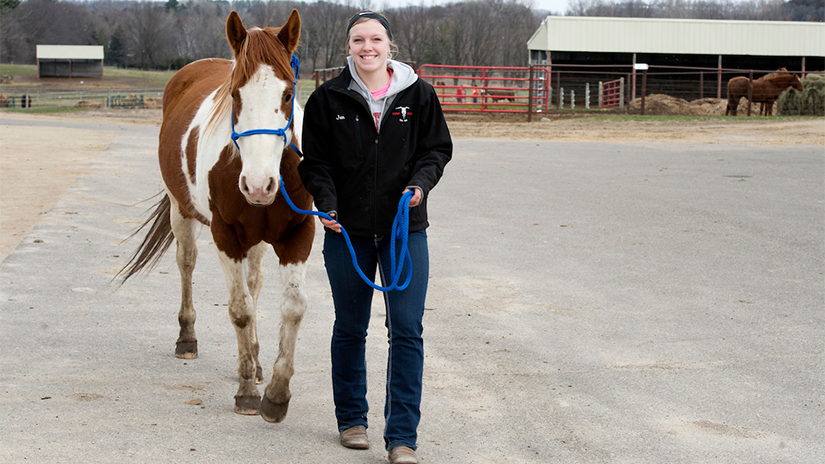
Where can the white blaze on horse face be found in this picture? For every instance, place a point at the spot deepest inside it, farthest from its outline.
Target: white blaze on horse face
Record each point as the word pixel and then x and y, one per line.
pixel 262 97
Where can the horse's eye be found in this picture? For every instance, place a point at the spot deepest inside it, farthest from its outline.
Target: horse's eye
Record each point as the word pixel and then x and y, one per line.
pixel 287 97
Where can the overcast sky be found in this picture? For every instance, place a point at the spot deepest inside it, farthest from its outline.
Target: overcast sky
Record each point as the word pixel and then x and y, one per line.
pixel 557 6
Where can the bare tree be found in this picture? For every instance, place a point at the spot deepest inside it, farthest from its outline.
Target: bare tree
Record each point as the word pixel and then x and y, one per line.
pixel 327 26
pixel 200 31
pixel 465 32
pixel 412 30
pixel 147 30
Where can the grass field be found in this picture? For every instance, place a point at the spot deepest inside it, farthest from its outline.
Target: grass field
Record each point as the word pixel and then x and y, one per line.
pixel 17 69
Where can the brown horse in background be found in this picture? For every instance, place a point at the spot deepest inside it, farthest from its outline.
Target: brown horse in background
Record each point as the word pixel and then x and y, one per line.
pixel 224 143
pixel 765 90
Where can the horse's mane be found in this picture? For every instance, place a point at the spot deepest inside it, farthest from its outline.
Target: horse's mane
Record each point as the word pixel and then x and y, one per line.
pixel 781 72
pixel 261 46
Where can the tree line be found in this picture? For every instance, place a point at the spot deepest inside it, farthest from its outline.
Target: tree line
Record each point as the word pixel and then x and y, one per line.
pixel 157 35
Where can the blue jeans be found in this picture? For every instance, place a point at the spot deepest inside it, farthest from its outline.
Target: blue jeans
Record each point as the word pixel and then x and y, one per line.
pixel 352 298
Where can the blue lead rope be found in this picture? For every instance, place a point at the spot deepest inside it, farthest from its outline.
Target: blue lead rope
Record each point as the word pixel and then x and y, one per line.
pixel 400 231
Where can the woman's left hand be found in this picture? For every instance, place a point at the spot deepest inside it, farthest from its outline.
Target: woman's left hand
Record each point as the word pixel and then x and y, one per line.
pixel 416 198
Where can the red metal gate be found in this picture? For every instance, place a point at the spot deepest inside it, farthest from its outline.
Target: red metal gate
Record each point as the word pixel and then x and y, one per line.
pixel 611 94
pixel 489 88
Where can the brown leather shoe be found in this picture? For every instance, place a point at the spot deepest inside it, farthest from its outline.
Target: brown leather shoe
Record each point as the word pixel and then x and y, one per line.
pixel 403 455
pixel 355 437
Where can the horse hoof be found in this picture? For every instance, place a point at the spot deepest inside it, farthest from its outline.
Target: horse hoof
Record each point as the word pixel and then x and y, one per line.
pixel 273 412
pixel 248 405
pixel 187 350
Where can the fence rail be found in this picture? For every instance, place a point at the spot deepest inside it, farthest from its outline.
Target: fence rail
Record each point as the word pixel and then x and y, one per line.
pixel 492 89
pixel 14 96
pixel 26 97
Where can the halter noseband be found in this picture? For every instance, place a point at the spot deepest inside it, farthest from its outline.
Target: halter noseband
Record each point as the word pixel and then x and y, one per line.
pixel 296 68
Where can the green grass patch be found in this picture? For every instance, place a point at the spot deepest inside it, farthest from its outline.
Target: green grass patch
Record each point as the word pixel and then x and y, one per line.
pixel 17 69
pixel 151 79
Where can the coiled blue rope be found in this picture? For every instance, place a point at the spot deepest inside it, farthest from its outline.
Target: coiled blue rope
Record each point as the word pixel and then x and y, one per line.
pixel 400 231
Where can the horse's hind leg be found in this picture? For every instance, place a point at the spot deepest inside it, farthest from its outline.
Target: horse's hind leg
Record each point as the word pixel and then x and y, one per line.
pixel 276 398
pixel 185 231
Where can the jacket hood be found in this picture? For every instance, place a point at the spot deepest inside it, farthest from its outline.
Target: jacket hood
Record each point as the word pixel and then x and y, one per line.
pixel 403 76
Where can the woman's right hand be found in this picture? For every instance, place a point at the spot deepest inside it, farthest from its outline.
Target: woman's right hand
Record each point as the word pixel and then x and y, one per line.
pixel 333 225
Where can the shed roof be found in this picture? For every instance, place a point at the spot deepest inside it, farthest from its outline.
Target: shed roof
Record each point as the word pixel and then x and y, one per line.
pixel 67 52
pixel 679 36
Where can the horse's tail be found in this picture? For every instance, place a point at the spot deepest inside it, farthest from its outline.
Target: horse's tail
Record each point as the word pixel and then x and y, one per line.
pixel 154 245
pixel 730 109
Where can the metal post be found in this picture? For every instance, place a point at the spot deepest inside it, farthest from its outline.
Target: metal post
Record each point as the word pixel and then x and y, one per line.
pixel 701 85
pixel 719 79
pixel 633 80
pixel 644 89
pixel 530 97
pixel 750 91
pixel 558 84
pixel 483 86
pixel 621 93
pixel 561 98
pixel 601 95
pixel 587 95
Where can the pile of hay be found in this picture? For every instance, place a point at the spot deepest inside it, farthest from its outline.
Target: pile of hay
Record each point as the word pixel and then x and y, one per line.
pixel 809 102
pixel 658 104
pixel 153 103
pixel 89 104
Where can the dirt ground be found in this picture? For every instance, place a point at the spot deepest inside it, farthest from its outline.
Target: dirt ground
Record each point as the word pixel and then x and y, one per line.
pixel 37 165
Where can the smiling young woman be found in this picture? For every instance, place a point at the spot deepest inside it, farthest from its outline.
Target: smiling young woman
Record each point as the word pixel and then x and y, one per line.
pixel 371 134
pixel 369 47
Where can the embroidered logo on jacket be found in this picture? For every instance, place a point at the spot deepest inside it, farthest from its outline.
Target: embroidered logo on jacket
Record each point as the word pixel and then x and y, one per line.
pixel 339 117
pixel 402 111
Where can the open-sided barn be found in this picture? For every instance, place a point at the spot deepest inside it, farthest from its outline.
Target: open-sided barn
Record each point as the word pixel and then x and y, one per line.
pixel 683 42
pixel 688 58
pixel 69 61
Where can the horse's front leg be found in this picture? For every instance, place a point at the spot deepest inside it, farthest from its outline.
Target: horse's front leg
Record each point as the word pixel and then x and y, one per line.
pixel 242 312
pixel 276 398
pixel 255 279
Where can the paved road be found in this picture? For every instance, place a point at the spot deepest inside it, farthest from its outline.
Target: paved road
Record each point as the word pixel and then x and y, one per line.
pixel 589 303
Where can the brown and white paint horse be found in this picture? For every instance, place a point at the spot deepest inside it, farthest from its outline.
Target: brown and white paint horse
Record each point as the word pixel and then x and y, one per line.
pixel 234 190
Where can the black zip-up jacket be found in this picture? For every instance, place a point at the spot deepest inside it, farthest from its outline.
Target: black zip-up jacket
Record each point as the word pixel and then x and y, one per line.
pixel 350 168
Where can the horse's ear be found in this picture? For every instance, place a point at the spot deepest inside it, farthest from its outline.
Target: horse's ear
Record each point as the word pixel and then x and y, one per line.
pixel 235 32
pixel 291 31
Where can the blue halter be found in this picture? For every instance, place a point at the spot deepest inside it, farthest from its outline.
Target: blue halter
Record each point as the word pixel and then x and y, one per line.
pixel 296 68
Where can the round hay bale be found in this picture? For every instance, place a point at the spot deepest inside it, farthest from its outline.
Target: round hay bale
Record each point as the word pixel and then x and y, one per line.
pixel 809 102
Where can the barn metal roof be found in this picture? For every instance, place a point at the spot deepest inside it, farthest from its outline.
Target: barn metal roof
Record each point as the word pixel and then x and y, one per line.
pixel 679 36
pixel 69 52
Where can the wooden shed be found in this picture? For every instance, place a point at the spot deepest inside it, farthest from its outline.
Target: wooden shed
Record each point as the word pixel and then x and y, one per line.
pixel 69 61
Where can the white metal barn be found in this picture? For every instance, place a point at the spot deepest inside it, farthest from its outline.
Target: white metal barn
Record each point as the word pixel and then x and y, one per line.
pixel 69 61
pixel 799 46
